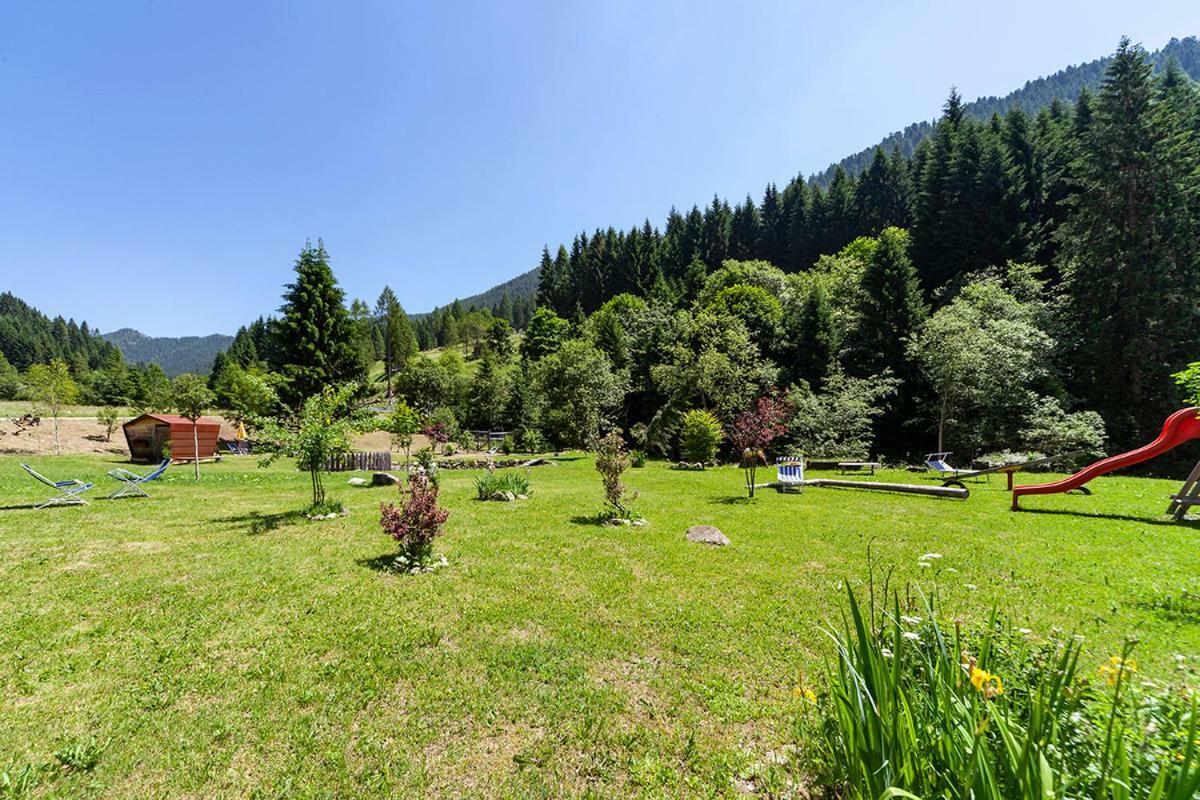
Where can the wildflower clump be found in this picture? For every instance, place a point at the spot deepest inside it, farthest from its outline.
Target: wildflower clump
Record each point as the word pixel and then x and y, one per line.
pixel 1117 669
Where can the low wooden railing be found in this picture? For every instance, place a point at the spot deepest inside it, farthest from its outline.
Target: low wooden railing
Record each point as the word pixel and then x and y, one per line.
pixel 364 462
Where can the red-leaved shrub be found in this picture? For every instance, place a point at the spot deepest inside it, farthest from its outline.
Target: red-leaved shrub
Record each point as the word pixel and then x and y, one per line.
pixel 417 521
pixel 754 430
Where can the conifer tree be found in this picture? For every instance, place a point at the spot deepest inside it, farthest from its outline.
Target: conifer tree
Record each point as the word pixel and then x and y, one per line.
pixel 1130 262
pixel 314 336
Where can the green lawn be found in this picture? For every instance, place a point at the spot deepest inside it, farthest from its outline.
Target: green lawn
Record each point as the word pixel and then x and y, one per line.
pixel 221 647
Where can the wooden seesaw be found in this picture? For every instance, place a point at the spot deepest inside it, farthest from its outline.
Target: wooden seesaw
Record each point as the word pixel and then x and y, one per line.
pixel 790 474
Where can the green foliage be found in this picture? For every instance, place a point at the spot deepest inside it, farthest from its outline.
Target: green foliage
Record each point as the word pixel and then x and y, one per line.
pixel 579 391
pixel 191 396
pixel 427 383
pixel 917 711
pixel 1051 430
pixel 983 354
pixel 1188 381
pixel 838 420
pixel 323 428
pixel 314 337
pixel 700 434
pixel 10 380
pixel 51 386
pixel 403 424
pixel 1131 259
pixel 246 393
pixel 755 307
pixel 427 464
pixel 399 340
pixel 716 365
pixel 109 418
pixel 546 333
pixel 499 482
pixel 611 462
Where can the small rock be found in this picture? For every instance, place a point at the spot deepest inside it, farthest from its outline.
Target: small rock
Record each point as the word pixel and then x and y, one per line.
pixel 509 496
pixel 522 497
pixel 384 479
pixel 707 534
pixel 357 481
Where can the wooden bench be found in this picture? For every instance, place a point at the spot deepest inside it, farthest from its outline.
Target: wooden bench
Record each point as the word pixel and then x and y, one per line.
pixel 857 466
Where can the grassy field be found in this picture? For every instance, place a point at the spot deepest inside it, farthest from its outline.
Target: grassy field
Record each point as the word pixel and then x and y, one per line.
pixel 211 643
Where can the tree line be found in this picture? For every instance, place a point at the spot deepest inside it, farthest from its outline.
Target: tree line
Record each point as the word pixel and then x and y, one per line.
pixel 1100 196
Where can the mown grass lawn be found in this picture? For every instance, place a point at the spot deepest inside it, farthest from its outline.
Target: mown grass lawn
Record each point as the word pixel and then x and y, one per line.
pixel 221 647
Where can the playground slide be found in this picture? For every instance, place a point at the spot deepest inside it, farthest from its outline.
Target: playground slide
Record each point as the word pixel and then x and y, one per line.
pixel 1180 427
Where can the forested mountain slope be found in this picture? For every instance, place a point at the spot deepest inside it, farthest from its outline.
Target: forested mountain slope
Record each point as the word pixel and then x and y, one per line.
pixel 175 354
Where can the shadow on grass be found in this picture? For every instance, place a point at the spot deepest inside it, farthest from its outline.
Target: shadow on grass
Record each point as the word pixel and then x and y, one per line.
pixel 20 506
pixel 1185 523
pixel 600 518
pixel 381 563
pixel 256 523
pixel 733 500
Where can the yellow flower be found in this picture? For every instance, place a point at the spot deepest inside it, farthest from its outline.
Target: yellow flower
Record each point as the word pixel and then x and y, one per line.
pixel 1116 668
pixel 986 683
pixel 801 692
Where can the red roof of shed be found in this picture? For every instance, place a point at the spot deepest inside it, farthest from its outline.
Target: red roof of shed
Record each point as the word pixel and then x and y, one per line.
pixel 175 419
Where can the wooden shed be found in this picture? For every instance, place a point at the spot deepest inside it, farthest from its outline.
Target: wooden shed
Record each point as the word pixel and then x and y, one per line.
pixel 148 434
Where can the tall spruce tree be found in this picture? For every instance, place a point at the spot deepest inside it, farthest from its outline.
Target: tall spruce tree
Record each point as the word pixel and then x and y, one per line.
pixel 314 337
pixel 892 310
pixel 1129 258
pixel 399 341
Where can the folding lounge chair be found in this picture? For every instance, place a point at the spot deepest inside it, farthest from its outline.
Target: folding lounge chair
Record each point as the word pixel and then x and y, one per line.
pixel 131 482
pixel 937 462
pixel 789 473
pixel 68 492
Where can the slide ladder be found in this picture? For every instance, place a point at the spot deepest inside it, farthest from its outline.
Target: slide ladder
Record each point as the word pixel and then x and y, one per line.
pixel 1182 426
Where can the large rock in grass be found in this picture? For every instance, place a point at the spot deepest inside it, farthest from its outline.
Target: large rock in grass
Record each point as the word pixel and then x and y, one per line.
pixel 384 479
pixel 707 534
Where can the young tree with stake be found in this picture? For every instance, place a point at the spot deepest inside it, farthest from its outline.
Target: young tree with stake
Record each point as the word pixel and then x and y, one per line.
pixel 191 396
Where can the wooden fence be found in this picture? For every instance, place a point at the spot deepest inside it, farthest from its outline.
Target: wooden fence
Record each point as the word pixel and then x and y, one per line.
pixel 365 462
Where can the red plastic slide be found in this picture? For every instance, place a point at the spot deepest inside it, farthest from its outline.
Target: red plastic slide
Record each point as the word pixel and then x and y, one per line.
pixel 1180 427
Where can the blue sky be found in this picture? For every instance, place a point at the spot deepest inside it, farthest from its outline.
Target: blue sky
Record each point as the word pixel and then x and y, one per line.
pixel 162 162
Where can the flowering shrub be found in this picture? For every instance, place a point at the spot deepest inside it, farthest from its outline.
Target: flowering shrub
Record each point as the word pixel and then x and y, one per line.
pixel 611 461
pixel 754 430
pixel 913 710
pixel 417 521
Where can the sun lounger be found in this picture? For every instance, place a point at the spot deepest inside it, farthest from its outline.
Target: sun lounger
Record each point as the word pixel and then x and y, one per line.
pixel 131 482
pixel 67 493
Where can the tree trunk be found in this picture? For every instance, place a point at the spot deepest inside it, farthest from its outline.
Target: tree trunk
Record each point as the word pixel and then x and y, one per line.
pixel 195 450
pixel 941 424
pixel 57 443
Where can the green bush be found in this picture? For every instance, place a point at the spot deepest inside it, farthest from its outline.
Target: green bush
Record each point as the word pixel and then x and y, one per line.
pixel 1050 429
pixel 699 435
pixel 917 711
pixel 494 482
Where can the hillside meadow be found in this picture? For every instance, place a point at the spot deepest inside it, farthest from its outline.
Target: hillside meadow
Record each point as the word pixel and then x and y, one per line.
pixel 210 642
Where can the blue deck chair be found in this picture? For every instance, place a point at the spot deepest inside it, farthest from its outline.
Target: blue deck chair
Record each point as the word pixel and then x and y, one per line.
pixel 131 482
pixel 68 492
pixel 937 462
pixel 789 472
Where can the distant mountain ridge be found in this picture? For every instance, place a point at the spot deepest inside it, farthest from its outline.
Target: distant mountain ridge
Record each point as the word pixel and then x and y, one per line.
pixel 175 354
pixel 1035 95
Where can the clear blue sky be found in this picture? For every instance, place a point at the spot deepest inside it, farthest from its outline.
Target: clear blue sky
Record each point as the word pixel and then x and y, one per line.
pixel 162 162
